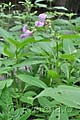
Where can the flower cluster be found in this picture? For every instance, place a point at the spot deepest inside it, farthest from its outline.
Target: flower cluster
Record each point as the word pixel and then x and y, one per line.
pixel 26 33
pixel 40 23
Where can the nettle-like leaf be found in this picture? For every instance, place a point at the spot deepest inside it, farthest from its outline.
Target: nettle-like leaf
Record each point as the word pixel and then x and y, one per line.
pixel 17 113
pixel 67 95
pixel 30 80
pixel 6 83
pixel 4 70
pixel 6 103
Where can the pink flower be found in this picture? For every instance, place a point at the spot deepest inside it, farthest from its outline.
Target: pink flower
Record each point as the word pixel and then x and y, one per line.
pixel 26 33
pixel 22 36
pixel 39 23
pixel 42 17
pixel 42 20
pixel 24 28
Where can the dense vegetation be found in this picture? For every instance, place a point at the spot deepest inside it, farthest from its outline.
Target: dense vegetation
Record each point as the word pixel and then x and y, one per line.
pixel 39 63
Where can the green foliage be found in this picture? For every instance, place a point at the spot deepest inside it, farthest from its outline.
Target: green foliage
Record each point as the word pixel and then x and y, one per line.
pixel 40 74
pixel 64 94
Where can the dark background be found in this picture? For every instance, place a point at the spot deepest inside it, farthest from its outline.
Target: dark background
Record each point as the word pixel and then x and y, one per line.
pixel 72 5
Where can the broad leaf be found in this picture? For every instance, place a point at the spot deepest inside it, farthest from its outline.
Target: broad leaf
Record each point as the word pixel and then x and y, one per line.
pixel 32 80
pixel 66 95
pixel 68 46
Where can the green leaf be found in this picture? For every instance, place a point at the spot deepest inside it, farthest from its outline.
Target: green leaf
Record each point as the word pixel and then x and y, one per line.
pixel 62 22
pixel 41 5
pixel 32 80
pixel 6 102
pixel 4 33
pixel 64 113
pixel 53 74
pixel 14 42
pixel 61 8
pixel 67 95
pixel 17 113
pixel 16 28
pixel 68 46
pixel 70 57
pixel 39 119
pixel 71 36
pixel 28 97
pixel 60 113
pixel 5 70
pixel 55 114
pixel 9 51
pixel 8 62
pixel 29 62
pixel 65 69
pixel 26 115
pixel 6 82
pixel 38 0
pixel 44 102
pixel 26 41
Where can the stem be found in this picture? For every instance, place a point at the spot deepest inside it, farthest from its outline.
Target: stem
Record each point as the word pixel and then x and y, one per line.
pixel 57 49
pixel 17 71
pixel 57 56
